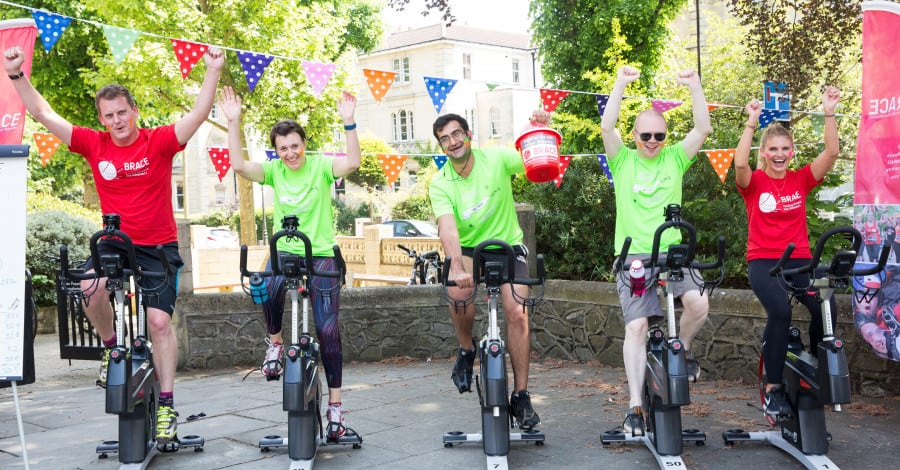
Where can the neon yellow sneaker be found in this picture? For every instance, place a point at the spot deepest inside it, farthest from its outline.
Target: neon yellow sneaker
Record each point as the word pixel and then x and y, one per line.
pixel 166 424
pixel 104 368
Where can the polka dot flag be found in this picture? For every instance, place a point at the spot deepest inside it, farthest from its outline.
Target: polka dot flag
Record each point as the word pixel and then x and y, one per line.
pixel 552 98
pixel 379 82
pixel 120 41
pixel 318 75
pixel 221 160
pixel 665 105
pixel 720 161
pixel 187 53
pixel 47 145
pixel 564 161
pixel 766 117
pixel 51 26
pixel 391 165
pixel 439 160
pixel 271 155
pixel 601 103
pixel 254 65
pixel 438 89
pixel 601 157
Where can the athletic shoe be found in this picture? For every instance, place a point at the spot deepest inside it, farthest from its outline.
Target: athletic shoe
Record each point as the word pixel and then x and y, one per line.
pixel 693 367
pixel 634 421
pixel 335 417
pixel 462 370
pixel 273 364
pixel 104 368
pixel 520 408
pixel 775 404
pixel 166 424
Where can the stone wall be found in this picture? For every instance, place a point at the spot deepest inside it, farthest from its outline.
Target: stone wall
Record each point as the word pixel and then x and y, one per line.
pixel 577 321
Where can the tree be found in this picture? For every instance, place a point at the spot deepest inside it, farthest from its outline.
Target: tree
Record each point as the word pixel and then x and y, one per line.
pixel 442 6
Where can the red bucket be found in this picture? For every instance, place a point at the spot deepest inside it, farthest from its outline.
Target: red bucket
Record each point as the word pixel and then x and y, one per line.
pixel 539 146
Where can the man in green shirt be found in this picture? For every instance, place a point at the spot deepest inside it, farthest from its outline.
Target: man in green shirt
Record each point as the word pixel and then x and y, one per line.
pixel 472 202
pixel 647 180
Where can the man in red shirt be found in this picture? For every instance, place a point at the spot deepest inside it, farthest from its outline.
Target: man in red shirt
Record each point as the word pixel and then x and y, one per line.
pixel 132 169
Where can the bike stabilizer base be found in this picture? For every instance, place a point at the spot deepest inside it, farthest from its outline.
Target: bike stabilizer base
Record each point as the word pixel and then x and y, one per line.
pixel 271 442
pixel 664 461
pixel 497 462
pixel 775 438
pixel 187 442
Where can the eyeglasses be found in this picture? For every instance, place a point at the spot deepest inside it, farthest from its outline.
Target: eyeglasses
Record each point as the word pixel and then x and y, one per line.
pixel 659 136
pixel 456 135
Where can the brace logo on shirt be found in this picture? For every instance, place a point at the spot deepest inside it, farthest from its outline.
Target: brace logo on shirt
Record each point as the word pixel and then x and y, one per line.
pixel 109 171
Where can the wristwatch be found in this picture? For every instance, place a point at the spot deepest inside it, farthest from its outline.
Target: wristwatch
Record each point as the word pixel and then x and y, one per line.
pixel 18 76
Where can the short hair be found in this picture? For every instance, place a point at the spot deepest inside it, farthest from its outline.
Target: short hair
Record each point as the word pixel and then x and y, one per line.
pixel 650 112
pixel 285 127
pixel 111 92
pixel 442 121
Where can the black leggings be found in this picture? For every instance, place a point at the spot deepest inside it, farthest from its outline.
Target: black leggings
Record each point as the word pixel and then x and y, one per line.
pixel 771 294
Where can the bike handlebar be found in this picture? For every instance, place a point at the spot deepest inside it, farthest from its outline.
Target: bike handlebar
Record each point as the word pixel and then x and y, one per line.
pixel 289 230
pixel 835 269
pixel 502 248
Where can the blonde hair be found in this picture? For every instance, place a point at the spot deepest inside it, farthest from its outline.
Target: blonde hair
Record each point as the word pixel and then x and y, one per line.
pixel 772 130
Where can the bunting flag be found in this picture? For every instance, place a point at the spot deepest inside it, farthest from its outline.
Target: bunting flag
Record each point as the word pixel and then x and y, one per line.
pixel 47 145
pixel 601 157
pixel 338 182
pixel 50 26
pixel 391 165
pixel 254 65
pixel 220 159
pixel 379 82
pixel 438 89
pixel 318 75
pixel 712 106
pixel 665 105
pixel 601 103
pixel 187 53
pixel 120 41
pixel 552 98
pixel 491 86
pixel 439 160
pixel 564 161
pixel 766 117
pixel 720 161
pixel 271 155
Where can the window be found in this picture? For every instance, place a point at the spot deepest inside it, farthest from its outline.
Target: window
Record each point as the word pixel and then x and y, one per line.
pixel 494 117
pixel 179 196
pixel 178 164
pixel 467 66
pixel 402 126
pixel 515 71
pixel 401 68
pixel 469 114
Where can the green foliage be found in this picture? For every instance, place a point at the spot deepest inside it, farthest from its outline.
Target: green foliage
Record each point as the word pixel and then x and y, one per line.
pixel 217 219
pixel 270 228
pixel 369 175
pixel 46 231
pixel 415 207
pixel 345 216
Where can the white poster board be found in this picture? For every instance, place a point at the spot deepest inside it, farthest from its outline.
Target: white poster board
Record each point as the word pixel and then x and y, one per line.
pixel 13 177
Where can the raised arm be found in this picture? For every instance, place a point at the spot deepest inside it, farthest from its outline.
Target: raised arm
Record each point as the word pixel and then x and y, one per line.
pixel 230 103
pixel 37 106
pixel 612 140
pixel 693 141
pixel 742 170
pixel 344 166
pixel 190 122
pixel 825 161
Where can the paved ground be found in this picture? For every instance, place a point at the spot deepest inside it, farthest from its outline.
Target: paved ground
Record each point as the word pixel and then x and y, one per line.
pixel 402 408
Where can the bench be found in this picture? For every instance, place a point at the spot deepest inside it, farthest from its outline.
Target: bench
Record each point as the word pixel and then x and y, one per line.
pixel 360 280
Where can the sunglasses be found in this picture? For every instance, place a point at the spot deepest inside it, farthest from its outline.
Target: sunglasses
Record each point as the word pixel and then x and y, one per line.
pixel 659 136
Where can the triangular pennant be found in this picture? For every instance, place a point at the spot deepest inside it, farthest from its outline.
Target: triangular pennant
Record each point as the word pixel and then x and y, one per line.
pixel 391 165
pixel 817 121
pixel 220 160
pixel 665 105
pixel 720 161
pixel 120 41
pixel 438 89
pixel 601 103
pixel 491 86
pixel 712 106
pixel 766 117
pixel 552 98
pixel 379 82
pixel 47 145
pixel 51 26
pixel 187 53
pixel 339 181
pixel 601 157
pixel 439 160
pixel 271 155
pixel 318 75
pixel 564 161
pixel 254 65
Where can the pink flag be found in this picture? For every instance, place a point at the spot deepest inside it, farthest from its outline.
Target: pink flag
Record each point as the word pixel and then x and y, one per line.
pixel 318 75
pixel 20 33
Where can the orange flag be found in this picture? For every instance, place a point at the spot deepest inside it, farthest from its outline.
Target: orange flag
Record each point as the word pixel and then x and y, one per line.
pixel 720 161
pixel 564 161
pixel 379 82
pixel 47 144
pixel 391 165
pixel 712 106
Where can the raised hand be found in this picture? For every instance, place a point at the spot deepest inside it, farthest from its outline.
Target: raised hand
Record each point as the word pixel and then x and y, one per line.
pixel 230 104
pixel 539 116
pixel 13 58
pixel 347 107
pixel 688 78
pixel 214 58
pixel 628 74
pixel 754 110
pixel 830 98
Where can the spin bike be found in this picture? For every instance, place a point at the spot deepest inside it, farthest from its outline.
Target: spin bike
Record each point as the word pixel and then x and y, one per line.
pixel 496 420
pixel 811 382
pixel 666 381
pixel 302 393
pixel 132 389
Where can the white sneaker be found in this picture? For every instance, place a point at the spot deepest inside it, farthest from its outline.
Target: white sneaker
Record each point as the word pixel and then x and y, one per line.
pixel 273 365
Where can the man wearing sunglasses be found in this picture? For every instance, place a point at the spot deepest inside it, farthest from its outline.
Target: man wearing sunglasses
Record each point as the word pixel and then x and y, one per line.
pixel 648 178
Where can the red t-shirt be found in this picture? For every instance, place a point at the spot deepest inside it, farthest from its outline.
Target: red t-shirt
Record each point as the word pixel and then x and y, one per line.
pixel 872 234
pixel 134 181
pixel 776 213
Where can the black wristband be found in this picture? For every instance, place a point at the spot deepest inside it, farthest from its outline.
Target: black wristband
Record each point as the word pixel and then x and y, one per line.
pixel 16 77
pixel 349 127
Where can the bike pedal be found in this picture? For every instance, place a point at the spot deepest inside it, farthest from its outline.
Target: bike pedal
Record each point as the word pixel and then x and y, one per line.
pixel 271 377
pixel 168 447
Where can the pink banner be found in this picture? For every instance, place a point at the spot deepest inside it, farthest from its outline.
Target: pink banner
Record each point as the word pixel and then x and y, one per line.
pixel 878 142
pixel 22 33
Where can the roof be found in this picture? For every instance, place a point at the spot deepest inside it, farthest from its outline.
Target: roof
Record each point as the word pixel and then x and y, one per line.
pixel 455 32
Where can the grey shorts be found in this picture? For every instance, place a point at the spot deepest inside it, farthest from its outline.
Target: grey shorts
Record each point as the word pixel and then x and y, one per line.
pixel 648 305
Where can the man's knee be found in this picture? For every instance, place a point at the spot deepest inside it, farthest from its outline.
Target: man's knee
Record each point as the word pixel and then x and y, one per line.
pixel 158 321
pixel 636 329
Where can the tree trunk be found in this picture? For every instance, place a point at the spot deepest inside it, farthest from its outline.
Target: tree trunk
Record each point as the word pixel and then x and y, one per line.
pixel 247 212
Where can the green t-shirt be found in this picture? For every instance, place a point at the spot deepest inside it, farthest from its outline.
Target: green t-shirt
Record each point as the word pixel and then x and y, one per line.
pixel 305 193
pixel 482 203
pixel 644 187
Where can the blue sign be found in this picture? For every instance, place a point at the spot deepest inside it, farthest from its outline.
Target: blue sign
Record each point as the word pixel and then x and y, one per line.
pixel 777 98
